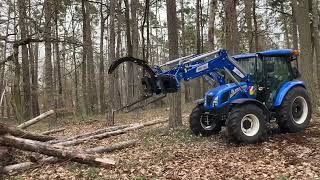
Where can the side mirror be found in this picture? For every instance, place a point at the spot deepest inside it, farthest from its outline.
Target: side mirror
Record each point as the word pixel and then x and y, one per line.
pixel 270 67
pixel 295 73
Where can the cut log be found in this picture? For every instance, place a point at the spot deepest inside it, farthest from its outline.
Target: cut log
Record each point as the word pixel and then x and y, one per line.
pixel 35 120
pixel 114 147
pixel 53 131
pixel 5 129
pixel 111 133
pixel 100 136
pixel 56 151
pixel 100 149
pixel 99 131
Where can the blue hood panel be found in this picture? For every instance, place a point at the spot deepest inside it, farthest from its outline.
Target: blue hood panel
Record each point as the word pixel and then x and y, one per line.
pixel 233 90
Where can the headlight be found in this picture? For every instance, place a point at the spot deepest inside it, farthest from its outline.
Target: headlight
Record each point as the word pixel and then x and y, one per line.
pixel 215 101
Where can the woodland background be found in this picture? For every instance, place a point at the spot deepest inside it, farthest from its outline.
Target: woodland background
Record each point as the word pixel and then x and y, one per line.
pixel 54 54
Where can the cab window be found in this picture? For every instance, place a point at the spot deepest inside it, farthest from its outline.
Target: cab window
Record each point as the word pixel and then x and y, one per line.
pixel 248 64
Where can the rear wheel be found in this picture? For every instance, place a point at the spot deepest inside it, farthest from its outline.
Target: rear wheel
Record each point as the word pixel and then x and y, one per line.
pixel 203 123
pixel 247 124
pixel 295 112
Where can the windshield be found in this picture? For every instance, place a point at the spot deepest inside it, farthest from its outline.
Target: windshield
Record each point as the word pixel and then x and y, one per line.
pixel 248 64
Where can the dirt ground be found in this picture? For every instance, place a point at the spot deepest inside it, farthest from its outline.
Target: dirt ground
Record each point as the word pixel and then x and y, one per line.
pixel 177 154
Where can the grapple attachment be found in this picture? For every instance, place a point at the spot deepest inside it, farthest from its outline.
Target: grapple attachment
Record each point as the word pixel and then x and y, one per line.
pixel 153 83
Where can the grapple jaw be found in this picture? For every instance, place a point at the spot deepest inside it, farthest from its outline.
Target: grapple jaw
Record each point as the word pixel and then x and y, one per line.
pixel 153 83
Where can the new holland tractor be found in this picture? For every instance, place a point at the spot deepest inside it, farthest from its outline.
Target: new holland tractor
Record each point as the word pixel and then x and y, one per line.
pixel 254 89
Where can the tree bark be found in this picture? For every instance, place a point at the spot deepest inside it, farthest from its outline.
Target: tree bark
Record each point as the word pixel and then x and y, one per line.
pixel 84 99
pixel 316 41
pixel 25 61
pixel 35 120
pixel 4 129
pixel 248 17
pixel 294 24
pixel 92 87
pixel 109 133
pixel 255 22
pixel 231 26
pixel 100 149
pixel 48 72
pixel 56 151
pixel 175 119
pixel 99 131
pixel 187 84
pixel 130 69
pixel 53 131
pixel 305 42
pixel 101 65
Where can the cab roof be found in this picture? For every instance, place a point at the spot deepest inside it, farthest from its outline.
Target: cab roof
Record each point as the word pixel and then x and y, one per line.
pixel 275 52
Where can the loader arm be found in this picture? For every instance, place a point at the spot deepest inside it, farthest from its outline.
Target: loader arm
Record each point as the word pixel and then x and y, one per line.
pixel 167 78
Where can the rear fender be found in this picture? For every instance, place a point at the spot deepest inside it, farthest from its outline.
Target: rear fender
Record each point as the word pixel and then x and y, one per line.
pixel 243 101
pixel 284 89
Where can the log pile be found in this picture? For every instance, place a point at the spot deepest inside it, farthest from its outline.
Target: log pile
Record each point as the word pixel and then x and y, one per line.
pixel 58 150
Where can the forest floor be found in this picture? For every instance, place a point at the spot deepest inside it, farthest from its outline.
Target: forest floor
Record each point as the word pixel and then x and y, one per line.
pixel 177 154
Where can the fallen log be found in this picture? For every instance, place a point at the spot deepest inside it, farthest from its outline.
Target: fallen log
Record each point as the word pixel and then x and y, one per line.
pixel 99 131
pixel 100 136
pixel 5 129
pixel 100 149
pixel 35 120
pixel 111 133
pixel 114 147
pixel 56 151
pixel 53 131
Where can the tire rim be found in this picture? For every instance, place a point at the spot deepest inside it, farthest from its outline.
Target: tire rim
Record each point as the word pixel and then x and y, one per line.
pixel 299 110
pixel 250 125
pixel 207 123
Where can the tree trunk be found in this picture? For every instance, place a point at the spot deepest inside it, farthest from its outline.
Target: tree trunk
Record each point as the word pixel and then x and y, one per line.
pixel 53 131
pixel 92 87
pixel 294 24
pixel 255 22
pixel 85 135
pixel 35 120
pixel 175 119
pixel 113 78
pixel 25 61
pixel 285 27
pixel 59 98
pixel 187 84
pixel 135 44
pixel 56 151
pixel 48 72
pixel 316 41
pixel 130 70
pixel 84 99
pixel 248 17
pixel 101 65
pixel 34 79
pixel 100 149
pixel 231 26
pixel 4 129
pixel 305 42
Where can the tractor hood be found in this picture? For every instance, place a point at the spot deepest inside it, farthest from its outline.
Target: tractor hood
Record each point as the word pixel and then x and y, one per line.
pixel 222 95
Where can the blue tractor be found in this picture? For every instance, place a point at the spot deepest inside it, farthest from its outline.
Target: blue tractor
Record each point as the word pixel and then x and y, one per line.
pixel 254 89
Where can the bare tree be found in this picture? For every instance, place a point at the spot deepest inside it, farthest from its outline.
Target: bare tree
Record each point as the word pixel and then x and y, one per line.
pixel 175 119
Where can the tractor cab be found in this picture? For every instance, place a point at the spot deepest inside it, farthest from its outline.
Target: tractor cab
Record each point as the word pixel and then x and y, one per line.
pixel 270 70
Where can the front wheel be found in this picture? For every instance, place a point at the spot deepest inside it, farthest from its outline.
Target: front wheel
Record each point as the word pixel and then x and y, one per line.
pixel 247 124
pixel 295 111
pixel 203 123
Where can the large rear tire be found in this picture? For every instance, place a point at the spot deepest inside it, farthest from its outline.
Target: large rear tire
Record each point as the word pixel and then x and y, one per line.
pixel 295 111
pixel 247 124
pixel 202 123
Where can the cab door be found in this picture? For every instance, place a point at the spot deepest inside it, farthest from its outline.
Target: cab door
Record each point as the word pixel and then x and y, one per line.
pixel 276 70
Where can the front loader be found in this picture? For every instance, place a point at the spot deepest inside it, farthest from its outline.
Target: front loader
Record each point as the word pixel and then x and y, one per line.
pixel 253 89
